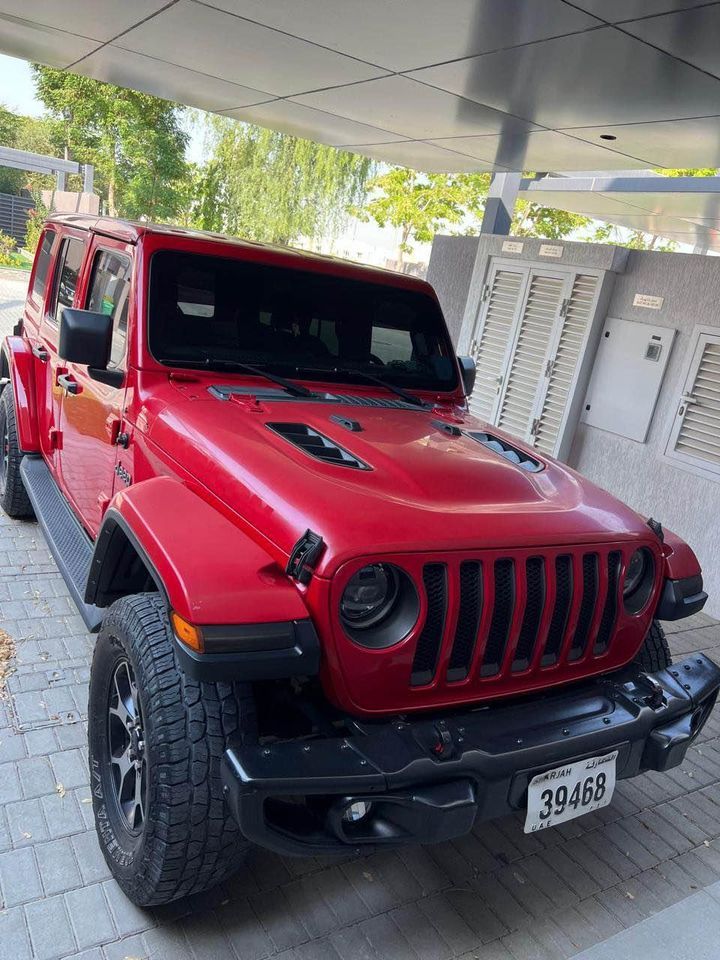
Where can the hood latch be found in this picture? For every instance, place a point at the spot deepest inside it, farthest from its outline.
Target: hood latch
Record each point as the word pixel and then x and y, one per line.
pixel 305 555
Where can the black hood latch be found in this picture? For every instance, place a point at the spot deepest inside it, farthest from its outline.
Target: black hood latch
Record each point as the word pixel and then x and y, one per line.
pixel 305 555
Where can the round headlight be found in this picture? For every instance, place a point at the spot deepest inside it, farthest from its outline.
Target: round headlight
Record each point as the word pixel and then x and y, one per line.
pixel 639 580
pixel 369 596
pixel 634 572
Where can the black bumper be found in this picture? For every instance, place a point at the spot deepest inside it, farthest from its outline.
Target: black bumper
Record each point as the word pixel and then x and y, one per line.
pixel 431 779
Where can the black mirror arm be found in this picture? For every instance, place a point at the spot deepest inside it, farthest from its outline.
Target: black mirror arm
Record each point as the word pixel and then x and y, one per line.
pixel 113 377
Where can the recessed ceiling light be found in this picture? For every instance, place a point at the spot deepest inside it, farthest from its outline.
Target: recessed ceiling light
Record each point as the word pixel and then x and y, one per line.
pixel 607 136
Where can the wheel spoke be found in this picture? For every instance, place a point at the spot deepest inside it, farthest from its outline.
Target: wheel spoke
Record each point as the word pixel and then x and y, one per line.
pixel 126 746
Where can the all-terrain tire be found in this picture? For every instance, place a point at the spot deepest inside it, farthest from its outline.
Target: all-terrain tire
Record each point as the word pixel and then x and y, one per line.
pixel 13 496
pixel 655 653
pixel 187 841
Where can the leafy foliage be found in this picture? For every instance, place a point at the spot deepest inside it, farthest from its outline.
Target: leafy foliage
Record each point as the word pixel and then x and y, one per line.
pixel 135 141
pixel 27 133
pixel 7 246
pixel 269 186
pixel 422 204
pixel 35 221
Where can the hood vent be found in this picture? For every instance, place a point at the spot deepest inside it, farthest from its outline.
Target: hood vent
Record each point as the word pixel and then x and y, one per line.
pixel 507 450
pixel 317 445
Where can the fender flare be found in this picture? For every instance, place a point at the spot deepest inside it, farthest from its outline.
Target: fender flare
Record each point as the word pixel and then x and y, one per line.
pixel 21 372
pixel 206 568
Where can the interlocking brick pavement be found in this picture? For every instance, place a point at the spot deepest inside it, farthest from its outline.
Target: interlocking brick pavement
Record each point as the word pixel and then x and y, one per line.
pixel 494 895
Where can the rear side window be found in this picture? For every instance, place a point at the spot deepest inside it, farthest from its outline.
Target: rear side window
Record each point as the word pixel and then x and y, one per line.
pixel 71 259
pixel 43 264
pixel 109 294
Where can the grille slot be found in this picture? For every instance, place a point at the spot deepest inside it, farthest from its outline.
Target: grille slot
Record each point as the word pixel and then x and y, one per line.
pixel 471 598
pixel 501 617
pixel 317 445
pixel 587 606
pixel 534 606
pixel 561 610
pixel 430 639
pixel 609 614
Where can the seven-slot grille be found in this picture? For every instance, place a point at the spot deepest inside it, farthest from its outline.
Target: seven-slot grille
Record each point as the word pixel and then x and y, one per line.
pixel 503 616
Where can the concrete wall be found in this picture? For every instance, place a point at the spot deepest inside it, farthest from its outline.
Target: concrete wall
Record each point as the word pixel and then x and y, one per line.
pixel 452 260
pixel 638 473
pixel 635 472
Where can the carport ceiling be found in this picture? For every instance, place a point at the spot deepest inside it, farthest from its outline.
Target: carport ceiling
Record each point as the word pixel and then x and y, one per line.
pixel 434 84
pixel 686 209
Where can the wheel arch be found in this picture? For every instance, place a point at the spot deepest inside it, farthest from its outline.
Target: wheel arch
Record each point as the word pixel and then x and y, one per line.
pixel 159 535
pixel 16 363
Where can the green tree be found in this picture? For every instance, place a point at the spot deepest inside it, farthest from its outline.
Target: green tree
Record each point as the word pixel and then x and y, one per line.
pixel 27 133
pixel 533 220
pixel 135 141
pixel 422 204
pixel 269 186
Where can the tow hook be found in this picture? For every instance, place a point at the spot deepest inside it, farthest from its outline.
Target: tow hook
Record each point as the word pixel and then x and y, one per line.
pixel 656 698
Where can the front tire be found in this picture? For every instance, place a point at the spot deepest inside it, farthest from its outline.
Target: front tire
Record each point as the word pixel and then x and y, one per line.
pixel 13 496
pixel 156 742
pixel 655 653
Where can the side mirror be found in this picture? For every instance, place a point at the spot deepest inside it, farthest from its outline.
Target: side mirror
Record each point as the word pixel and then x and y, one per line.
pixel 85 337
pixel 467 371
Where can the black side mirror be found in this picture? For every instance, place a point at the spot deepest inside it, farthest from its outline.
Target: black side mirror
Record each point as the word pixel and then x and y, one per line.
pixel 85 337
pixel 467 371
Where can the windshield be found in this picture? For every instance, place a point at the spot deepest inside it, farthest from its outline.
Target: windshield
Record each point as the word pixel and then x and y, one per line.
pixel 317 326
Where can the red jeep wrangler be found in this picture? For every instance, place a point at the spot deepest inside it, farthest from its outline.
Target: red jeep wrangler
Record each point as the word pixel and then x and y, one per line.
pixel 334 611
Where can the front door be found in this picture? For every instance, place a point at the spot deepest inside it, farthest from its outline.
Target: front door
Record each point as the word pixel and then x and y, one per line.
pixel 92 412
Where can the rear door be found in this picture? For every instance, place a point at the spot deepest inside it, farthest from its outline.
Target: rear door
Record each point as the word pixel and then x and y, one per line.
pixel 92 412
pixel 54 287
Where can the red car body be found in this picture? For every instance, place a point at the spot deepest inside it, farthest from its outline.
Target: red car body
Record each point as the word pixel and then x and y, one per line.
pixel 218 501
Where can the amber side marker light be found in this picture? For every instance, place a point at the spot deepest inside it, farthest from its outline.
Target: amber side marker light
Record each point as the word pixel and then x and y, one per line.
pixel 187 633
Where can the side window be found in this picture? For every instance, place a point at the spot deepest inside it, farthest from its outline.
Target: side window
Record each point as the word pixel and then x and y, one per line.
pixel 68 273
pixel 43 264
pixel 109 294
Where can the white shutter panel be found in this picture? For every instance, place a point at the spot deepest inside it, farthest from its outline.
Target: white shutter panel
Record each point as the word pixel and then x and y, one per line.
pixel 697 439
pixel 530 353
pixel 505 290
pixel 575 323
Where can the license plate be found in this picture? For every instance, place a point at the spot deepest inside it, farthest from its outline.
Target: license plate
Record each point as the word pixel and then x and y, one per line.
pixel 570 791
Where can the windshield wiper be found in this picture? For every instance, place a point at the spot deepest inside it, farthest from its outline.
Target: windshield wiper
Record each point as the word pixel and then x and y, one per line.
pixel 398 391
pixel 296 389
pixel 371 378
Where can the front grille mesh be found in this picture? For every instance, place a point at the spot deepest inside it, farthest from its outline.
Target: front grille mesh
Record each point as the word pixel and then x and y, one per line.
pixel 569 609
pixel 428 645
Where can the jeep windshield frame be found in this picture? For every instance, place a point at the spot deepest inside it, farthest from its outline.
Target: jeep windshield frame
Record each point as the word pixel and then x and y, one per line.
pixel 321 326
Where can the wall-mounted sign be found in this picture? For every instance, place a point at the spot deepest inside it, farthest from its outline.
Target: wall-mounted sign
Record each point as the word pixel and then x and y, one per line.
pixel 512 246
pixel 551 250
pixel 645 300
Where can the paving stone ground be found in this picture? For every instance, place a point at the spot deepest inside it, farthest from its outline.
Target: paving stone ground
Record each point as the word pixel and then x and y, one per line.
pixel 493 895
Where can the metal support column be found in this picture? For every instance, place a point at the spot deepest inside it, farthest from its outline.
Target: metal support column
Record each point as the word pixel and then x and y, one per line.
pixel 500 204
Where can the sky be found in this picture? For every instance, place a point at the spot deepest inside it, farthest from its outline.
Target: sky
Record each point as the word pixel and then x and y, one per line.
pixel 18 91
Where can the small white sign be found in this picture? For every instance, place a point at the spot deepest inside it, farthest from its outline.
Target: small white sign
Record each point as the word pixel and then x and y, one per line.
pixel 512 246
pixel 551 250
pixel 645 300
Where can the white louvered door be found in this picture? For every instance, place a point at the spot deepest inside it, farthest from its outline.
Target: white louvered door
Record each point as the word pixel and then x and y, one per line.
pixel 533 336
pixel 503 295
pixel 695 435
pixel 530 341
pixel 560 374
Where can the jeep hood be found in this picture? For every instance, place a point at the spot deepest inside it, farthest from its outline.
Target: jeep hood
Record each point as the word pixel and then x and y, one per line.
pixel 425 490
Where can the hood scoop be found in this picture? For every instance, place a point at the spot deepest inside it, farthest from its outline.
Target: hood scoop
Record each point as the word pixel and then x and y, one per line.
pixel 506 450
pixel 317 445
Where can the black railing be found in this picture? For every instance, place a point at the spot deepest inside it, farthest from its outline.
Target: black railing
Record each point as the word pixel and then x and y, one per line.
pixel 14 216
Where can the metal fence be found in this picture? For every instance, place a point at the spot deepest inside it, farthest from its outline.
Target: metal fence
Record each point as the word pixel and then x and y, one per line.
pixel 14 216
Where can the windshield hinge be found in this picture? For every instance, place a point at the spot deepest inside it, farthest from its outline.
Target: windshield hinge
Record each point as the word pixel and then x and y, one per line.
pixel 304 556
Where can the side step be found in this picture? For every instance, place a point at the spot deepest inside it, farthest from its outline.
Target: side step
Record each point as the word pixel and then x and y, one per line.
pixel 71 547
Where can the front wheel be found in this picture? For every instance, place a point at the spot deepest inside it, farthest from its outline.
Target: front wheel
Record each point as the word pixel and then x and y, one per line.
pixel 655 653
pixel 156 742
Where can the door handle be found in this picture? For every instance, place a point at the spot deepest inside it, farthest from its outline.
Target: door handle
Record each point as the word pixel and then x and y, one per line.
pixel 68 382
pixel 41 353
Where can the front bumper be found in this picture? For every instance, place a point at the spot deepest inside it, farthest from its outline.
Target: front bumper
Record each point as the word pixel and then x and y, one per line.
pixel 431 779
